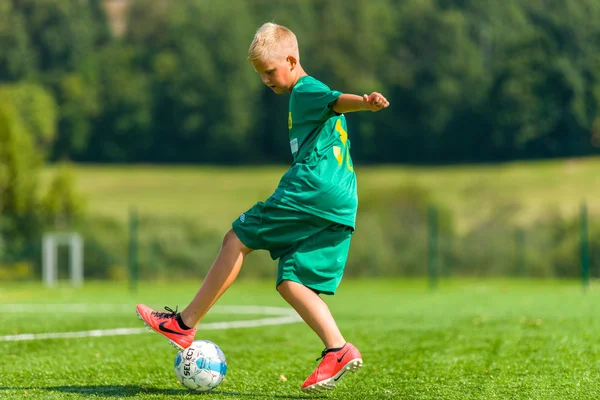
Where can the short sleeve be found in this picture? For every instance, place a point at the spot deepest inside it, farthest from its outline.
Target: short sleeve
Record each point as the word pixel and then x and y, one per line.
pixel 316 101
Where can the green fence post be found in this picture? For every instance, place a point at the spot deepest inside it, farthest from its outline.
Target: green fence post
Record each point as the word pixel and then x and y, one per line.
pixel 153 264
pixel 585 252
pixel 445 258
pixel 432 258
pixel 133 250
pixel 520 252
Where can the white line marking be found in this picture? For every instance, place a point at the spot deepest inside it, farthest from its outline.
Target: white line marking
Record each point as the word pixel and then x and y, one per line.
pixel 286 316
pixel 128 308
pixel 69 335
pixel 136 331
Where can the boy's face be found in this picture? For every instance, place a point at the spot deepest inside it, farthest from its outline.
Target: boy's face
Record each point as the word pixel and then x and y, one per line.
pixel 278 75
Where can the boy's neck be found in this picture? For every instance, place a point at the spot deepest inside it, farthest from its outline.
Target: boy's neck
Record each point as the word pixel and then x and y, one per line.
pixel 299 74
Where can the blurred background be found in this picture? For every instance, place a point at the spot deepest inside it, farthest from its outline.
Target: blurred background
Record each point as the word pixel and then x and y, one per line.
pixel 139 128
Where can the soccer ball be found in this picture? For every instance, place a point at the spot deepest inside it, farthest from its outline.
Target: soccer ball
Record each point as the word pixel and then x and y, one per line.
pixel 201 367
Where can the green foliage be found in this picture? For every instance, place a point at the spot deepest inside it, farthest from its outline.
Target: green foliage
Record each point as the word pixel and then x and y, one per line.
pixel 173 247
pixel 392 233
pixel 19 161
pixel 123 127
pixel 19 167
pixel 201 80
pixel 467 80
pixel 392 239
pixel 62 201
pixel 63 37
pixel 79 105
pixel 185 211
pixel 17 59
pixel 105 246
pixel 37 110
pixel 15 271
pixel 27 126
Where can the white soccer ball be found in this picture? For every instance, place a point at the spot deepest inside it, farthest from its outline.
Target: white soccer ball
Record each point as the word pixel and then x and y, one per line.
pixel 201 367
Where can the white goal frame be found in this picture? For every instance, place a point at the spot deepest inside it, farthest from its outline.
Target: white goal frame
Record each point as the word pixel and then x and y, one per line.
pixel 50 243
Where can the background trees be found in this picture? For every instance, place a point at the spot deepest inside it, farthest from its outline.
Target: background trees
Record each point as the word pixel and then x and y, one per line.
pixel 468 81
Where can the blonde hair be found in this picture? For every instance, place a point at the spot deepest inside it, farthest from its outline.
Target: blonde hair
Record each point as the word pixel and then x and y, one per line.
pixel 272 42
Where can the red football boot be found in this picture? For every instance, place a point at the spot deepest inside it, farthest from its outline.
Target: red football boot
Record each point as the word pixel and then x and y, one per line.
pixel 334 365
pixel 166 324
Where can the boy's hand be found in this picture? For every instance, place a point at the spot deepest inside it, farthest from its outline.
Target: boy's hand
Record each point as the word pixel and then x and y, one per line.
pixel 375 101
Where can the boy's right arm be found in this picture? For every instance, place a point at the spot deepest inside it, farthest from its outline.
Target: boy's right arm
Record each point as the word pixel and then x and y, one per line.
pixel 350 103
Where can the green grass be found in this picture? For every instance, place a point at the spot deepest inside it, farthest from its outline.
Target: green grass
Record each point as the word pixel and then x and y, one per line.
pixel 505 339
pixel 215 196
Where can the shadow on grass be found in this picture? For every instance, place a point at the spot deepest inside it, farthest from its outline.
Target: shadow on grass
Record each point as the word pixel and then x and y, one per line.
pixel 272 396
pixel 134 390
pixel 99 390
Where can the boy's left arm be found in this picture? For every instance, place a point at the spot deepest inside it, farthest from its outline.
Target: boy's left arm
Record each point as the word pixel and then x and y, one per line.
pixel 350 102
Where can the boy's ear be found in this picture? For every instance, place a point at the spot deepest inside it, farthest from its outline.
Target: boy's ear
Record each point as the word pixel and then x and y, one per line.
pixel 292 61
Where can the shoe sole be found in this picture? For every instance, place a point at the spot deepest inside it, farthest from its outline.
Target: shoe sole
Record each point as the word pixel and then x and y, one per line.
pixel 330 383
pixel 172 343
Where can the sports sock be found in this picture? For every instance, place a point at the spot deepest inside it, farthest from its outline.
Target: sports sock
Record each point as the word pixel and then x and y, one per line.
pixel 182 325
pixel 331 350
pixel 334 349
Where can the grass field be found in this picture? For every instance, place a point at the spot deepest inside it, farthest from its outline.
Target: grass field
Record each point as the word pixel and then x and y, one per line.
pixel 504 339
pixel 215 196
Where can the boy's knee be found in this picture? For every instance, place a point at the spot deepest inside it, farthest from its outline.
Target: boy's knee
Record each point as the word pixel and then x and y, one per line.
pixel 232 240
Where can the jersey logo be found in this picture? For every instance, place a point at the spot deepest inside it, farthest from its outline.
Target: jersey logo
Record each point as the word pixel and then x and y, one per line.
pixel 290 120
pixel 337 152
pixel 294 145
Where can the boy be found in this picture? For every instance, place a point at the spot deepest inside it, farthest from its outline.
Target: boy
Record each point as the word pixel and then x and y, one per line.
pixel 306 224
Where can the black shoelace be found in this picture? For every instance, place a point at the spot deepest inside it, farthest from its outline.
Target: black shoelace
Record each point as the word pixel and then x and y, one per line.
pixel 324 352
pixel 170 314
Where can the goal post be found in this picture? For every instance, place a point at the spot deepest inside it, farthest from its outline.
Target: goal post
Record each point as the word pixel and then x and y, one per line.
pixel 50 243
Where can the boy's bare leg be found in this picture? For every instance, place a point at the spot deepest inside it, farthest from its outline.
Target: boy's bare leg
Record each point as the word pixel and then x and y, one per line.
pixel 314 312
pixel 222 273
pixel 340 357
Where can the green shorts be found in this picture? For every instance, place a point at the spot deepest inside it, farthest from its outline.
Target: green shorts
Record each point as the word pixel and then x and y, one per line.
pixel 311 250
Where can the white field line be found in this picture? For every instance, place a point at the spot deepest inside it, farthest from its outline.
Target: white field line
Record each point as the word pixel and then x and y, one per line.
pixel 128 308
pixel 286 316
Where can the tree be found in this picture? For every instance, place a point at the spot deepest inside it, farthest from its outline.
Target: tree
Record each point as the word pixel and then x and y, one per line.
pixel 37 111
pixel 63 36
pixel 17 59
pixel 24 128
pixel 203 90
pixel 19 160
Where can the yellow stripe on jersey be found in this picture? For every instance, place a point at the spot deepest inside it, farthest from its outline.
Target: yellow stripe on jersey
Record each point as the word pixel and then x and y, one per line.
pixel 341 131
pixel 337 151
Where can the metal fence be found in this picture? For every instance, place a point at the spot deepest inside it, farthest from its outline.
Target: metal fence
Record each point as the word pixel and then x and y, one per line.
pixel 402 241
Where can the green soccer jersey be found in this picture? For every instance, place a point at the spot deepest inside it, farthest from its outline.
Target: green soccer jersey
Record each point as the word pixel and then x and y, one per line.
pixel 321 180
